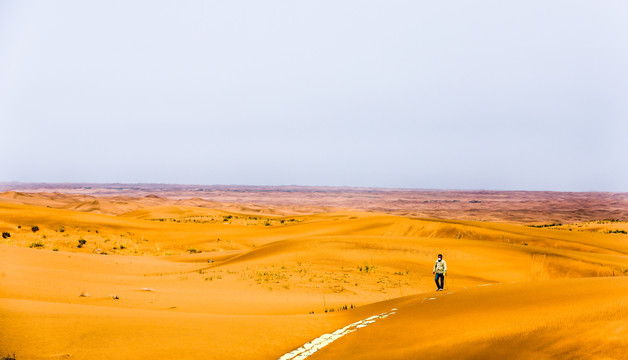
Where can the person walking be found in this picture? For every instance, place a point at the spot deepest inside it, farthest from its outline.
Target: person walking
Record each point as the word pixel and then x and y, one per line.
pixel 440 270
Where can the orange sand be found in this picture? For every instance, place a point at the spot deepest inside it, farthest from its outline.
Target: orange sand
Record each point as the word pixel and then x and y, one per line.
pixel 254 283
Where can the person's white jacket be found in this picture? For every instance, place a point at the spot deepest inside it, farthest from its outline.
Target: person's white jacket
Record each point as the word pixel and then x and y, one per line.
pixel 440 267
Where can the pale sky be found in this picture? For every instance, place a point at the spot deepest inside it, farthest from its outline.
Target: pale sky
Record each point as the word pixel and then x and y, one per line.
pixel 503 95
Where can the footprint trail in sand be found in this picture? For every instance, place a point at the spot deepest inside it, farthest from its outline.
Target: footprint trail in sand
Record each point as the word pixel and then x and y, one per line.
pixel 324 340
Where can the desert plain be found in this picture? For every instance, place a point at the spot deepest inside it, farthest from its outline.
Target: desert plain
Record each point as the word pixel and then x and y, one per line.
pixel 93 271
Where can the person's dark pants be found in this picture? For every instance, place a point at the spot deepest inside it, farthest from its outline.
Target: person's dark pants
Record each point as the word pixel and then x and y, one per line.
pixel 440 277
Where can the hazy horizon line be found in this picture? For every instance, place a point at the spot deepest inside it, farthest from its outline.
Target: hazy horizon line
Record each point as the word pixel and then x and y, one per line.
pixel 81 183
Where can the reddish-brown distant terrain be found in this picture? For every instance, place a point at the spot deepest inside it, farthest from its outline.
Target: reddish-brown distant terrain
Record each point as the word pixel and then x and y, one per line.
pixel 480 205
pixel 119 271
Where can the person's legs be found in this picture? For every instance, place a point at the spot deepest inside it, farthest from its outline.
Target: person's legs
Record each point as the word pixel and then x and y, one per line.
pixel 440 277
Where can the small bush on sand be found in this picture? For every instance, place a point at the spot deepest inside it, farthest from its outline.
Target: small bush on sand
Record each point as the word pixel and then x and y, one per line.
pixel 37 244
pixel 81 243
pixel 367 269
pixel 35 228
pixel 6 235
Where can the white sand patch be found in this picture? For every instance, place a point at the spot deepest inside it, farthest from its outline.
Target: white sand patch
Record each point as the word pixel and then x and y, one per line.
pixel 488 284
pixel 324 340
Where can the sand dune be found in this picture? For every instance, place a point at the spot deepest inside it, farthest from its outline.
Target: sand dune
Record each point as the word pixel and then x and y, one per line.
pixel 155 277
pixel 568 318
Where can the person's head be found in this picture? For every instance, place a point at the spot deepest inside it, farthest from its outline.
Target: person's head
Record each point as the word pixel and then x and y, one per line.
pixel 440 256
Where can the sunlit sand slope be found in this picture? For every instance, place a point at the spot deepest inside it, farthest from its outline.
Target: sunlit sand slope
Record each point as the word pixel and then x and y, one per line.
pixel 84 306
pixel 42 330
pixel 575 318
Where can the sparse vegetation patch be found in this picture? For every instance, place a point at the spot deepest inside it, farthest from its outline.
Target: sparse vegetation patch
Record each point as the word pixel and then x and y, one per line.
pixel 367 268
pixel 37 244
pixel 546 225
pixel 617 232
pixel 339 308
pixel 229 219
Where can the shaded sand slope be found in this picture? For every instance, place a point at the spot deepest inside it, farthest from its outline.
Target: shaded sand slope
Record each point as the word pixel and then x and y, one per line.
pixel 574 318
